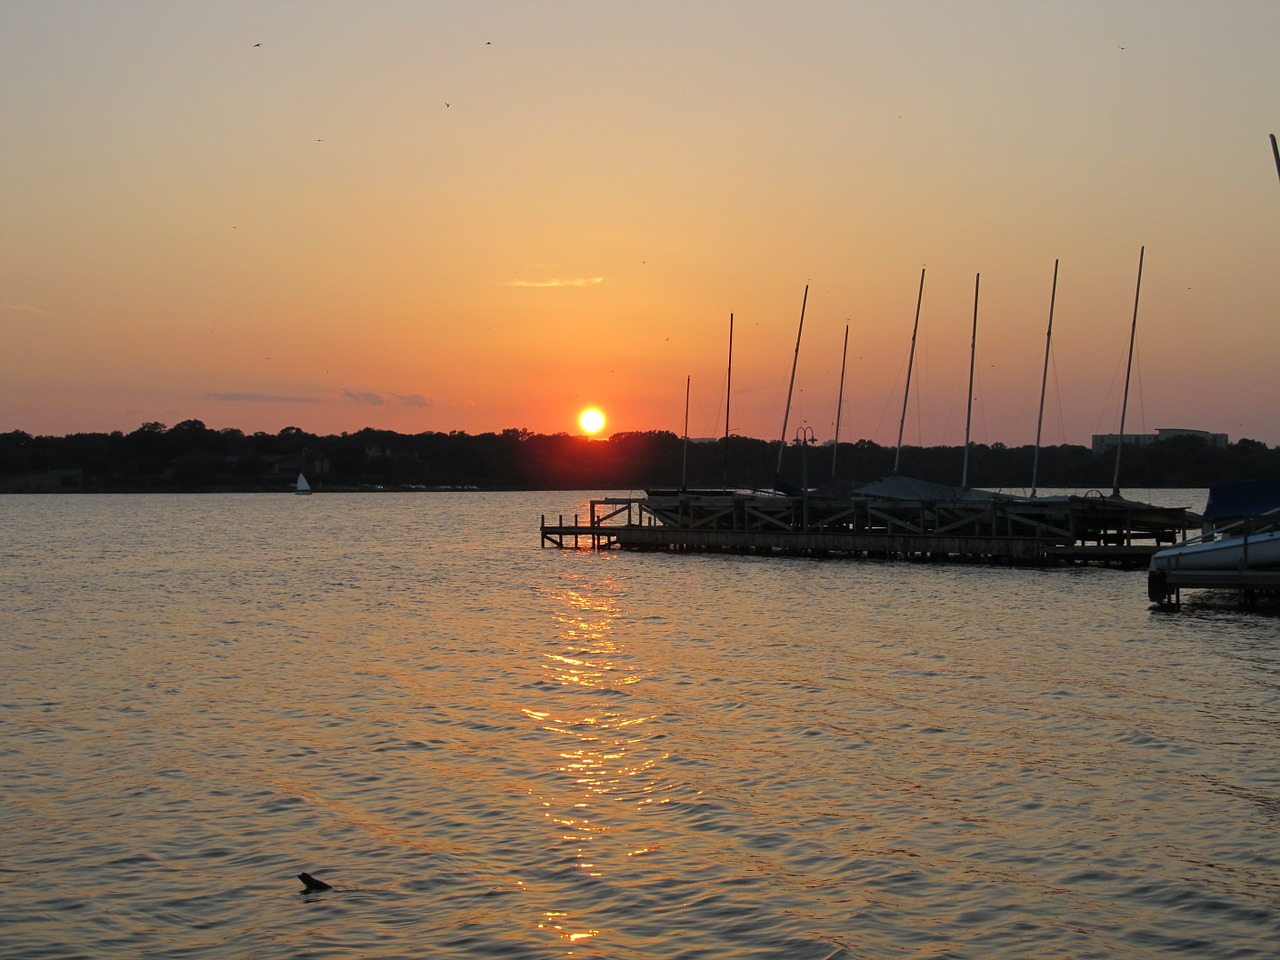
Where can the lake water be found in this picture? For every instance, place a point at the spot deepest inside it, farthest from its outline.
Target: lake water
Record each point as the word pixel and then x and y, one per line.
pixel 494 750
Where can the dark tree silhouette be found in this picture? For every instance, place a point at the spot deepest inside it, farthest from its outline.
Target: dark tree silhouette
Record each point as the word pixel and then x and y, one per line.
pixel 190 456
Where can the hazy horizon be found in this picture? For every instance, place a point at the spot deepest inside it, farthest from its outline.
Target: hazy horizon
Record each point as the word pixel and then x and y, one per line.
pixel 607 435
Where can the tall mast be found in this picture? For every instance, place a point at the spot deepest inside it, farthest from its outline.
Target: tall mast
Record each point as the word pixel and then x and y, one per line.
pixel 782 443
pixel 835 450
pixel 1124 406
pixel 684 467
pixel 728 392
pixel 1044 380
pixel 973 350
pixel 910 362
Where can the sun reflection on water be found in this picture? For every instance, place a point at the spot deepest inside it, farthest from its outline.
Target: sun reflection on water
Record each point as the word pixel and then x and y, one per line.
pixel 602 748
pixel 553 920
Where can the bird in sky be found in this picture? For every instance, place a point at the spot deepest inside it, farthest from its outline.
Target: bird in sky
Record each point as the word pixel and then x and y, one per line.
pixel 257 44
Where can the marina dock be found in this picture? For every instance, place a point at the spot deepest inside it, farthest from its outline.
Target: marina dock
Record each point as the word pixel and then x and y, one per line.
pixel 1249 586
pixel 974 527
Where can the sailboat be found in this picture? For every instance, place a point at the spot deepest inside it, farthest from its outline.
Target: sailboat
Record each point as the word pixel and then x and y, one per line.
pixel 303 488
pixel 1241 533
pixel 1241 547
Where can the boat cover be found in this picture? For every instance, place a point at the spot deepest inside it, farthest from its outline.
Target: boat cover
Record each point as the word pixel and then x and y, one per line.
pixel 1244 498
pixel 908 488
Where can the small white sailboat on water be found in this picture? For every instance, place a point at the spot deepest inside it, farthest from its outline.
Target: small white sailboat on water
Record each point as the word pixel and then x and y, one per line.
pixel 302 488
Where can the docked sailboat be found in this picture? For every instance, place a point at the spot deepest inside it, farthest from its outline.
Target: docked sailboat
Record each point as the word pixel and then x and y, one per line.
pixel 1242 531
pixel 1244 549
pixel 1239 547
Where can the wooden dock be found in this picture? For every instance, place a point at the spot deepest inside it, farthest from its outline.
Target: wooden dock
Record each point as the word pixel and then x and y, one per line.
pixel 982 529
pixel 1249 586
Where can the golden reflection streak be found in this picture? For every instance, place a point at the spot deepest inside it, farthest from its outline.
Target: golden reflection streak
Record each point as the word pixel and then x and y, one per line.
pixel 604 759
pixel 551 925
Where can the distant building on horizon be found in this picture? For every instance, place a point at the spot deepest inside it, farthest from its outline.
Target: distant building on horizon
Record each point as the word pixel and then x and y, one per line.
pixel 1105 441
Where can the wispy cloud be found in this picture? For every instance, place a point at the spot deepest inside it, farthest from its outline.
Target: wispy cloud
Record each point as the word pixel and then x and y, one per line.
pixel 259 398
pixel 366 397
pixel 27 308
pixel 370 399
pixel 576 282
pixel 411 400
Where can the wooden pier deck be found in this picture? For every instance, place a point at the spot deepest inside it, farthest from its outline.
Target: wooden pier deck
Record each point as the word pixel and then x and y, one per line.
pixel 1165 587
pixel 1057 530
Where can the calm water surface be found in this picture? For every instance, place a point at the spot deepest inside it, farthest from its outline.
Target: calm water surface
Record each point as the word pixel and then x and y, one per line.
pixel 493 750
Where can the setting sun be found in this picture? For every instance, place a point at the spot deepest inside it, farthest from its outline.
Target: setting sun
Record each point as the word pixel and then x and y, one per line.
pixel 591 420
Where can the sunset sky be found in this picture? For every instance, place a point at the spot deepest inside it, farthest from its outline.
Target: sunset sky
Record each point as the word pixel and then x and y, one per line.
pixel 420 215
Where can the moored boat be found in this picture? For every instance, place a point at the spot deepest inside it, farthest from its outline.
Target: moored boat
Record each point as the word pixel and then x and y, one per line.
pixel 1248 550
pixel 1242 531
pixel 1239 548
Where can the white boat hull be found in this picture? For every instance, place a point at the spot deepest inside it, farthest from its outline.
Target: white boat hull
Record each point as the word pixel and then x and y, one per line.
pixel 1257 552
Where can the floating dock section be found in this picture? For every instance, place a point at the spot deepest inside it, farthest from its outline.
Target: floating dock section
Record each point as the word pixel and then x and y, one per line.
pixel 891 520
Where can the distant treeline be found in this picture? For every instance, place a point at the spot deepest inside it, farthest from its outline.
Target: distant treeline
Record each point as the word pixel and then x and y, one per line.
pixel 191 457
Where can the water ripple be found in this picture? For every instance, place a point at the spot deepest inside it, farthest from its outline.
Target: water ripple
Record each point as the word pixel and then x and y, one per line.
pixel 495 751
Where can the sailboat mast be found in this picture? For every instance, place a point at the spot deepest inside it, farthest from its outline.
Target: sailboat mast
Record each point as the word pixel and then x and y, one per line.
pixel 973 350
pixel 1044 380
pixel 782 443
pixel 1124 406
pixel 906 392
pixel 835 450
pixel 728 392
pixel 684 467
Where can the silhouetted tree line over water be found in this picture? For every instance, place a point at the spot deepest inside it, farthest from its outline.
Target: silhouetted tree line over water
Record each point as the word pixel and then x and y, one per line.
pixel 190 457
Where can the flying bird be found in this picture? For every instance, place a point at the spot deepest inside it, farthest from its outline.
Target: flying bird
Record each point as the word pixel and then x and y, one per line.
pixel 257 44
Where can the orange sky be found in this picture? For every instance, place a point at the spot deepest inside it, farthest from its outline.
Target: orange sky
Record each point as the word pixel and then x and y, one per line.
pixel 474 216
